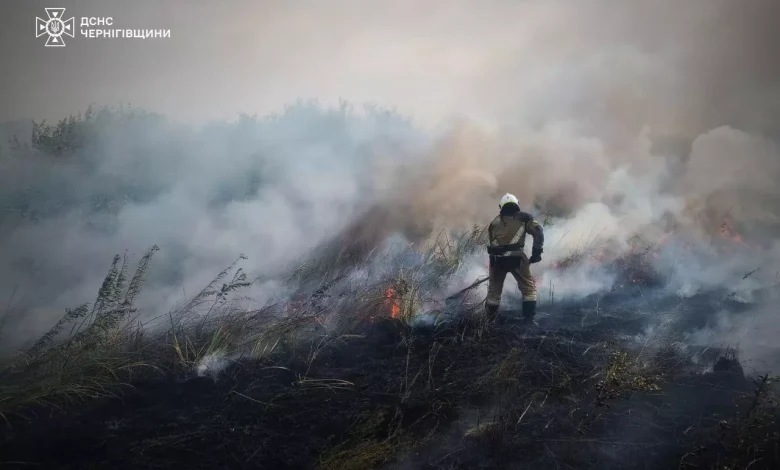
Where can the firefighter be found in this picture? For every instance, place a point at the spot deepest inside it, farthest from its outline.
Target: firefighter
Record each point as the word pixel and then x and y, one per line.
pixel 506 243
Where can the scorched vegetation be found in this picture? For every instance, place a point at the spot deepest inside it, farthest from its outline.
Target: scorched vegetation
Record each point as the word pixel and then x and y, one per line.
pixel 378 359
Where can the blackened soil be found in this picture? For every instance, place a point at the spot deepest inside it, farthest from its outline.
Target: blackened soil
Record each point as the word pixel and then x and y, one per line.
pixel 257 415
pixel 396 400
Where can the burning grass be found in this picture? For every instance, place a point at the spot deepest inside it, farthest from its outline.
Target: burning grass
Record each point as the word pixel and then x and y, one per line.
pixel 347 376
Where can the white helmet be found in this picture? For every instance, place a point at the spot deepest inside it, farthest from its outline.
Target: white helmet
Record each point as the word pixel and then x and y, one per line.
pixel 507 198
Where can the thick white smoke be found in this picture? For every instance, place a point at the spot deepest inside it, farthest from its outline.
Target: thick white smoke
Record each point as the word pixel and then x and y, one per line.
pixel 644 118
pixel 271 189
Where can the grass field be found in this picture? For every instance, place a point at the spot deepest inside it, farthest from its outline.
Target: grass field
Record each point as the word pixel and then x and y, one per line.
pixel 350 375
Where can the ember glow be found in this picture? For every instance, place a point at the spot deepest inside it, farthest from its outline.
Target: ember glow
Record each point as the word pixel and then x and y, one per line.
pixel 650 145
pixel 392 303
pixel 727 231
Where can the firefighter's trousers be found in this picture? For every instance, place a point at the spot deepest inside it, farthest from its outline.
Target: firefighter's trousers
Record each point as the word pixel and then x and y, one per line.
pixel 519 268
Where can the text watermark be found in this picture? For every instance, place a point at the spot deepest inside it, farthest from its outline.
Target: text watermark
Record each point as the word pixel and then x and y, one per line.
pixel 90 27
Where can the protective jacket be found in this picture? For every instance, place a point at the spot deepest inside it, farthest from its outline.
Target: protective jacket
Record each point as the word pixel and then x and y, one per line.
pixel 507 233
pixel 506 242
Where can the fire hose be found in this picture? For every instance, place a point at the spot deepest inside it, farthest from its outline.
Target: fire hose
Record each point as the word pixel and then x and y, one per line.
pixel 473 285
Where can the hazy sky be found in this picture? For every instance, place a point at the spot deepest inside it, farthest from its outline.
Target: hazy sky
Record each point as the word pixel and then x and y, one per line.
pixel 237 56
pixel 431 59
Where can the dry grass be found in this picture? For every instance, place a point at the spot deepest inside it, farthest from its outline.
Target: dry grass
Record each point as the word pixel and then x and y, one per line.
pixel 57 384
pixel 749 439
pixel 92 349
pixel 365 446
pixel 93 358
pixel 552 386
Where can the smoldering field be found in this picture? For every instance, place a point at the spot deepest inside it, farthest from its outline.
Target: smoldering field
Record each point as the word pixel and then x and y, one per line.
pixel 616 126
pixel 283 190
pixel 648 149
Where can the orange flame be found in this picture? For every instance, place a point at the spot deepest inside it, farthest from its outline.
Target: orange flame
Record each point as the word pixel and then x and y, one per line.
pixel 725 230
pixel 395 308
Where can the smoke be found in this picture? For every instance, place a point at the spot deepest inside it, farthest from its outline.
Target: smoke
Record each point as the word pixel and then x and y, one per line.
pixel 657 119
pixel 268 188
pixel 752 333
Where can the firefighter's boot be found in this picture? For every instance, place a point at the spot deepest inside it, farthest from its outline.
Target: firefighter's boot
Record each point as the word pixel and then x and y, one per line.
pixel 529 312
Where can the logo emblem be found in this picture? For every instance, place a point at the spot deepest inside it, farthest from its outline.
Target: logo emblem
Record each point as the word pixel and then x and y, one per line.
pixel 55 27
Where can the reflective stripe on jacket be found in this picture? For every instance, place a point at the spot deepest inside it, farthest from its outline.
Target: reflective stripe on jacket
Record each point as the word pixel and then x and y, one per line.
pixel 506 234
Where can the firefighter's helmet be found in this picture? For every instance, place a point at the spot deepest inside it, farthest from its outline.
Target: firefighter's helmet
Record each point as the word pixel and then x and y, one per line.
pixel 507 198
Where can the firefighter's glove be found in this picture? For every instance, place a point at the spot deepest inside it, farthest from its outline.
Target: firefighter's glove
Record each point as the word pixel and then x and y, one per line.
pixel 536 256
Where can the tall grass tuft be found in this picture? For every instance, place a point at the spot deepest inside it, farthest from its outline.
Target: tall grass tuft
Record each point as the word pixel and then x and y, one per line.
pixel 91 359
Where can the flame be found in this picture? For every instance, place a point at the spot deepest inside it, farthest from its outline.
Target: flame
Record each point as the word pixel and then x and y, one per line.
pixel 393 301
pixel 726 231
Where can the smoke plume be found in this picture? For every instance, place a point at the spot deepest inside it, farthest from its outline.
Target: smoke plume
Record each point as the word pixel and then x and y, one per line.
pixel 650 119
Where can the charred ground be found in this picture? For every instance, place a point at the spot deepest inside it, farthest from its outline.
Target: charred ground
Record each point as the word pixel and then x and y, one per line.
pixel 576 392
pixel 365 365
pixel 346 373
